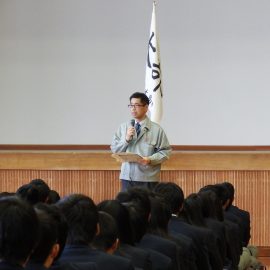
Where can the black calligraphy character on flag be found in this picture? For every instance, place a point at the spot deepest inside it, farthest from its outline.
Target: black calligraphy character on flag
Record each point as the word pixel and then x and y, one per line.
pixel 156 66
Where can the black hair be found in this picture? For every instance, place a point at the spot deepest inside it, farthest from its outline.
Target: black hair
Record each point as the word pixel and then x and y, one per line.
pixel 43 188
pixel 138 220
pixel 121 216
pixel 142 96
pixel 209 200
pixel 18 230
pixel 82 217
pixel 139 195
pixel 160 216
pixel 172 194
pixel 48 235
pixel 192 208
pixel 108 232
pixel 230 189
pixel 211 203
pixel 223 194
pixel 29 193
pixel 53 197
pixel 137 201
pixel 60 222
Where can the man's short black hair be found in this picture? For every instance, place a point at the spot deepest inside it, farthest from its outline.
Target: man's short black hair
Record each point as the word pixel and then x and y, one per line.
pixel 142 96
pixel 48 235
pixel 121 215
pixel 108 232
pixel 82 216
pixel 18 230
pixel 61 223
pixel 172 194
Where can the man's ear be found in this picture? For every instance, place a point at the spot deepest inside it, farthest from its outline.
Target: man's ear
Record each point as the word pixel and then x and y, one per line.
pixel 115 244
pixel 181 208
pixel 98 229
pixel 53 254
pixel 55 250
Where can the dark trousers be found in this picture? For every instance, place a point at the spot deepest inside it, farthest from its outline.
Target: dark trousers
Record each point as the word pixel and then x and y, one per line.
pixel 128 184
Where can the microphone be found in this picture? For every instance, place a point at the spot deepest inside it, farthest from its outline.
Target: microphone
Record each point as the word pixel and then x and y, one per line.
pixel 132 122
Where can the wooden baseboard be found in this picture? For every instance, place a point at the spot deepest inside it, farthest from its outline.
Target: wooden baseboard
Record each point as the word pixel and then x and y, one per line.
pixel 264 251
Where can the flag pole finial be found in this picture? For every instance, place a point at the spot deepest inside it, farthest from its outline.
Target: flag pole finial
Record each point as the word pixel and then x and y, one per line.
pixel 155 3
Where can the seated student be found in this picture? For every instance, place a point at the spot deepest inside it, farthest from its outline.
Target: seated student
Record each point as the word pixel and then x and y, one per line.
pixel 158 225
pixel 47 248
pixel 242 214
pixel 19 232
pixel 174 197
pixel 61 229
pixel 34 192
pixel 211 209
pixel 193 210
pixel 126 247
pixel 233 242
pixel 107 239
pixel 137 201
pixel 82 217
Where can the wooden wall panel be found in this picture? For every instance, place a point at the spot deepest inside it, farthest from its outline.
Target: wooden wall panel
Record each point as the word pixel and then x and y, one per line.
pixel 99 185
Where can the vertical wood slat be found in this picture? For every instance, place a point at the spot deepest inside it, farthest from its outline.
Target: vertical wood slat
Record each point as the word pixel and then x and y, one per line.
pixel 252 188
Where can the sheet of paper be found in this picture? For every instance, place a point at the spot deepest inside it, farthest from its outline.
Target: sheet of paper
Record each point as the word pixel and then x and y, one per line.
pixel 126 157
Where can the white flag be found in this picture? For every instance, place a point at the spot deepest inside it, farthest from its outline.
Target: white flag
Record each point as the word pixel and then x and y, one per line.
pixel 153 83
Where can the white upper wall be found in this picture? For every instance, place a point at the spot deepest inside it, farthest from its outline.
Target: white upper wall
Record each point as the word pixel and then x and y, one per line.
pixel 68 67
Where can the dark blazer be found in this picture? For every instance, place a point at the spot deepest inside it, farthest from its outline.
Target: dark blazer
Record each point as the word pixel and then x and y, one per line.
pixel 104 261
pixel 234 248
pixel 7 266
pixel 140 258
pixel 245 220
pixel 160 261
pixel 219 230
pixel 34 266
pixel 161 245
pixel 178 225
pixel 186 250
pixel 74 266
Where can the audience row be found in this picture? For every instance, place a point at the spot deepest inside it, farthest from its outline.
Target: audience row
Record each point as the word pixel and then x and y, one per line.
pixel 140 229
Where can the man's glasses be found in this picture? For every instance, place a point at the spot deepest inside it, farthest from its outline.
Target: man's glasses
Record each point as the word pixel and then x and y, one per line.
pixel 136 106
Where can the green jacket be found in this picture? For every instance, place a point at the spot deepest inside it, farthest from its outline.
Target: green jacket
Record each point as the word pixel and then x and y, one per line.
pixel 152 142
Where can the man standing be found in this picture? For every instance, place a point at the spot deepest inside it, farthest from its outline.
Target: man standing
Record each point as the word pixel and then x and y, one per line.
pixel 145 138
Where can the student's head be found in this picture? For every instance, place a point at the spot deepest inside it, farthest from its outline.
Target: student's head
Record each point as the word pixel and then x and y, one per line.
pixel 138 105
pixel 107 239
pixel 137 201
pixel 138 195
pixel 223 194
pixel 29 193
pixel 192 209
pixel 60 221
pixel 172 194
pixel 53 197
pixel 160 215
pixel 82 218
pixel 47 248
pixel 230 189
pixel 43 188
pixel 121 215
pixel 211 203
pixel 19 227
